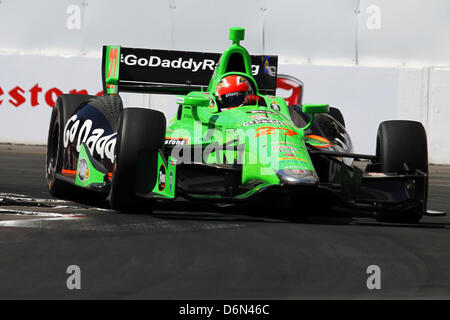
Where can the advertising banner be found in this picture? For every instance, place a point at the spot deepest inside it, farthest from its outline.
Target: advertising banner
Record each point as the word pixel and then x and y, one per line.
pixel 29 87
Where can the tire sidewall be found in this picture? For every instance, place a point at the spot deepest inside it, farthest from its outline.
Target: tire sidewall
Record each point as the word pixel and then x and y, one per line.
pixel 398 142
pixel 141 132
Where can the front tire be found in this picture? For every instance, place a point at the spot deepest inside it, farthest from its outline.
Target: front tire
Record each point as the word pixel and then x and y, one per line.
pixel 140 136
pixel 400 143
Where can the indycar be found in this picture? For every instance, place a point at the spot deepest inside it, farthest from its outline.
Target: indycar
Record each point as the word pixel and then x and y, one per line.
pixel 260 150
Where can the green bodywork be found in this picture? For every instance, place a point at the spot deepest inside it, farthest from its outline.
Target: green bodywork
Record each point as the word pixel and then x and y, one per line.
pixel 263 139
pixel 165 185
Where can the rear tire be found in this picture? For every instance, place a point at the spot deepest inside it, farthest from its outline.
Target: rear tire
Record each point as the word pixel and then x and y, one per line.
pixel 64 108
pixel 401 142
pixel 140 135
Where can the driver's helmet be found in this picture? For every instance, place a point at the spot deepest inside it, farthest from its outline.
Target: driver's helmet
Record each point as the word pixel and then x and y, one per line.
pixel 232 91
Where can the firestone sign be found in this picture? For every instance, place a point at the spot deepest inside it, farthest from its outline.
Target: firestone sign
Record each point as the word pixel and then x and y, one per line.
pixel 34 96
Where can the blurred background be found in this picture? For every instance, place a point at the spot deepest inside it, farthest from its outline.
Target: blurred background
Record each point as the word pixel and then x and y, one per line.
pixel 374 59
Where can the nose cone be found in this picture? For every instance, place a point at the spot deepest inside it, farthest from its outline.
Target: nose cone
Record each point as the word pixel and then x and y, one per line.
pixel 296 177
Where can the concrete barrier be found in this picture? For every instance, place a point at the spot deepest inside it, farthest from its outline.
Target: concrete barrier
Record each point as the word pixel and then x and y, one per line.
pixel 374 59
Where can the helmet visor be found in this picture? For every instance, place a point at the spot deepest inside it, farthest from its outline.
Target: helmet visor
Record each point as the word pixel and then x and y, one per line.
pixel 233 99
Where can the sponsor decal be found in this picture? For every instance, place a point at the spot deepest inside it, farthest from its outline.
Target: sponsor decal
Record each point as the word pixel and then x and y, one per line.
pixel 175 141
pixel 292 163
pixel 171 180
pixel 212 103
pixel 268 69
pixel 97 143
pixel 83 170
pixel 275 106
pixel 286 148
pixel 183 67
pixel 162 178
pixel 288 132
pixel 292 158
pixel 262 111
pixel 262 121
pixel 263 131
pixel 296 171
pixel 266 64
pixel 180 63
pixel 222 83
pixel 255 70
pixel 259 117
pixel 293 168
pixel 154 61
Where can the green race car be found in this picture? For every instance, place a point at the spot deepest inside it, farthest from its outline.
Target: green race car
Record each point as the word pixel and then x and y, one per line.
pixel 232 140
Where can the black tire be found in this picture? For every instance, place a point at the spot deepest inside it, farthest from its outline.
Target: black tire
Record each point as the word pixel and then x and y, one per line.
pixel 401 142
pixel 140 135
pixel 111 106
pixel 65 107
pixel 337 115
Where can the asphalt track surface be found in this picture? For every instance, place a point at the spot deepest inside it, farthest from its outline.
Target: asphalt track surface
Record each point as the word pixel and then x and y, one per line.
pixel 209 254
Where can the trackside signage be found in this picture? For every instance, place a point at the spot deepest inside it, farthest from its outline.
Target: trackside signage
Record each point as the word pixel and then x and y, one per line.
pixel 21 96
pixel 186 68
pixel 29 87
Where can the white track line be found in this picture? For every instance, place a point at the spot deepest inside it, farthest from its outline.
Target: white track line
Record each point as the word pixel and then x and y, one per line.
pixel 39 214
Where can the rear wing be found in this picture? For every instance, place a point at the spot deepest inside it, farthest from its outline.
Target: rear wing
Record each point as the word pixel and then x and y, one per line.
pixel 173 72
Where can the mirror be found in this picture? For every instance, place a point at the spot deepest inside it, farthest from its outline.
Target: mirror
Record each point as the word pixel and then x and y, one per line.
pixel 315 108
pixel 193 101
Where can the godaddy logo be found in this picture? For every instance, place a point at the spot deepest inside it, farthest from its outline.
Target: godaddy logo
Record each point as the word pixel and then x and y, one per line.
pixel 154 61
